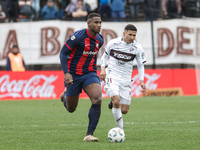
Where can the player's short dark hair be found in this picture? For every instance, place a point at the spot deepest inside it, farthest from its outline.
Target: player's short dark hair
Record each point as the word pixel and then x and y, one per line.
pixel 130 27
pixel 91 15
pixel 15 46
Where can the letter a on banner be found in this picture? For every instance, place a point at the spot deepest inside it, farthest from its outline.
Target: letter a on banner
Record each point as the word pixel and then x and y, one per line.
pixel 11 40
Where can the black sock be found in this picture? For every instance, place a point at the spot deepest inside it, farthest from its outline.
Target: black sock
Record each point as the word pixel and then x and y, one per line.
pixel 94 114
pixel 64 101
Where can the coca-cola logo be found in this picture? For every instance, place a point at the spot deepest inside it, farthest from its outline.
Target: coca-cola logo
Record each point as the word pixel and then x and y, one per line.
pixel 135 85
pixel 38 86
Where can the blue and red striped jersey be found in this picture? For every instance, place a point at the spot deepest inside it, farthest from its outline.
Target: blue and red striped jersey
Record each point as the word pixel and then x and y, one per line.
pixel 80 50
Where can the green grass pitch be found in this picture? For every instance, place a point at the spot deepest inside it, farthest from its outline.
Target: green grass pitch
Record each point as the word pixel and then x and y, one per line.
pixel 152 123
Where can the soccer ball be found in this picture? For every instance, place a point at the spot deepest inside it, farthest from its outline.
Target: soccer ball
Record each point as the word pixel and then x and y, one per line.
pixel 116 135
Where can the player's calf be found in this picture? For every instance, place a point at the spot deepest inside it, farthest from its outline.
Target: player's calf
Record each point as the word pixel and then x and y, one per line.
pixel 110 104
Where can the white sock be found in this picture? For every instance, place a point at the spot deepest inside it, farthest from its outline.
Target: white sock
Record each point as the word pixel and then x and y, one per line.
pixel 118 117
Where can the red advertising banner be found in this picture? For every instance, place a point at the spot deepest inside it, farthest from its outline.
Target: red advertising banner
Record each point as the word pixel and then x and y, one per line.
pixel 50 84
pixel 31 84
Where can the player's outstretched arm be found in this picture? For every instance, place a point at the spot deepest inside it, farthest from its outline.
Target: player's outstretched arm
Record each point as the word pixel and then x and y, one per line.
pixel 143 86
pixel 103 64
pixel 141 75
pixel 103 73
pixel 63 58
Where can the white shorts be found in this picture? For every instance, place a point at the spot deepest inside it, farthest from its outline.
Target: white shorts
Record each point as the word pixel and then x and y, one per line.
pixel 113 87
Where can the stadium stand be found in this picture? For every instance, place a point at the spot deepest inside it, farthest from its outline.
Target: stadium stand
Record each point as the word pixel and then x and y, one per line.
pixel 10 7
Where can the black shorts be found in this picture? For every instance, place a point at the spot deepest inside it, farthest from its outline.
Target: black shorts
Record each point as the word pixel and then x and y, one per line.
pixel 80 82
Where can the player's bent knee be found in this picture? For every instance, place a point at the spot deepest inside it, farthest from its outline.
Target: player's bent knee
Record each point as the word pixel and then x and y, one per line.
pixel 71 110
pixel 124 111
pixel 97 100
pixel 116 104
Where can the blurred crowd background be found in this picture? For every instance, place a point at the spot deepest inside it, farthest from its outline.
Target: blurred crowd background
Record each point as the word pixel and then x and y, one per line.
pixel 110 10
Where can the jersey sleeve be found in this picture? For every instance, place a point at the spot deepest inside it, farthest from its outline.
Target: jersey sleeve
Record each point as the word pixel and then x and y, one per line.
pixel 101 41
pixel 69 46
pixel 140 57
pixel 73 41
pixel 106 54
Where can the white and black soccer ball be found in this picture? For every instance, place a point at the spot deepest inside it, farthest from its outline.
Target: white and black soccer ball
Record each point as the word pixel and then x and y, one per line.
pixel 116 135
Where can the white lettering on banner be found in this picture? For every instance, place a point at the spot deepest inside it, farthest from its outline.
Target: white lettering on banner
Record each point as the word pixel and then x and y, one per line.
pixel 14 95
pixel 31 88
pixel 135 87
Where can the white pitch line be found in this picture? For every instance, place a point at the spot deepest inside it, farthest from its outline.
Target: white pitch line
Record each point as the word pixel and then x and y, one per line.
pixel 34 125
pixel 128 123
pixel 174 122
pixel 72 125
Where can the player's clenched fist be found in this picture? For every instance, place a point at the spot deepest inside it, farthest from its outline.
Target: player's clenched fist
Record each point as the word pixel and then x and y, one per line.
pixel 143 86
pixel 68 79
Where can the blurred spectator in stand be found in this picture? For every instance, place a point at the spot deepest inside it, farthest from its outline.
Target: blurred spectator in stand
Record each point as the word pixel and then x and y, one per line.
pixel 25 10
pixel 2 15
pixel 134 6
pixel 43 3
pixel 60 11
pixel 65 3
pixel 15 61
pixel 80 12
pixel 118 10
pixel 36 8
pixel 151 7
pixel 14 11
pixel 69 9
pixel 191 8
pixel 91 6
pixel 104 7
pixel 5 6
pixel 49 11
pixel 172 8
pixel 198 7
pixel 183 7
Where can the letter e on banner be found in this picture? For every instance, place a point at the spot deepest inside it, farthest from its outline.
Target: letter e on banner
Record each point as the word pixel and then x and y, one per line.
pixel 181 41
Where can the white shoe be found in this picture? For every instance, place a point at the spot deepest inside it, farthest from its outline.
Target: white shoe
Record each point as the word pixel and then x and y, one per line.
pixel 90 138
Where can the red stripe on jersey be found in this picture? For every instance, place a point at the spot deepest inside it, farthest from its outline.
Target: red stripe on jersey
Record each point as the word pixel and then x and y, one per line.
pixel 68 46
pixel 70 57
pixel 90 68
pixel 79 67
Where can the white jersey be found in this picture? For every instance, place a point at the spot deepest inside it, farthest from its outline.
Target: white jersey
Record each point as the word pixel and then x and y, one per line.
pixel 121 59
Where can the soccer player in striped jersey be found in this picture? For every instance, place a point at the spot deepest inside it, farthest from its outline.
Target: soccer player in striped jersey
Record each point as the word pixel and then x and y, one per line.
pixel 78 59
pixel 117 76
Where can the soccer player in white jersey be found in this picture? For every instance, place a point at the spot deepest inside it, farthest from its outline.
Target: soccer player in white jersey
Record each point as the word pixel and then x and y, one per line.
pixel 117 76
